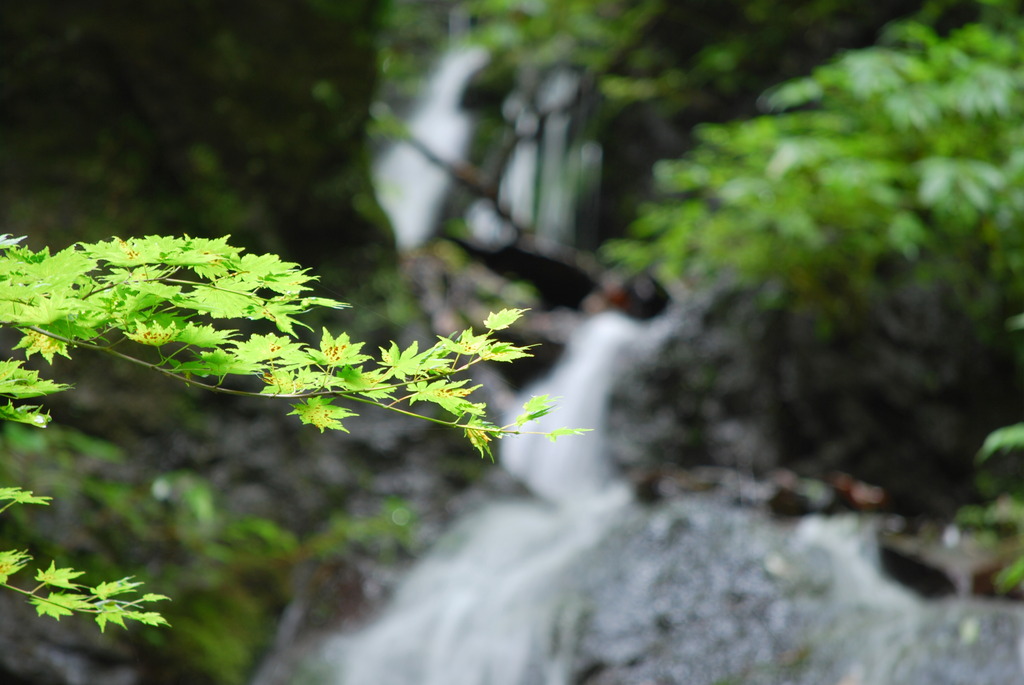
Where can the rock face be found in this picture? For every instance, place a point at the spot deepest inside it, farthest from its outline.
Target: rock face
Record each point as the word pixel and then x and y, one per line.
pixel 700 591
pixel 696 589
pixel 904 403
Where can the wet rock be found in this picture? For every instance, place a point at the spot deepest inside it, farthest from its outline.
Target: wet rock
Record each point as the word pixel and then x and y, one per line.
pixel 792 495
pixel 665 482
pixel 902 403
pixel 699 591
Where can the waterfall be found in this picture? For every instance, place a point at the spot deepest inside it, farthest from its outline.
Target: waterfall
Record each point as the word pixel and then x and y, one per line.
pixel 577 579
pixel 493 603
pixel 578 466
pixel 411 188
pixel 550 182
pixel 537 591
pixel 484 606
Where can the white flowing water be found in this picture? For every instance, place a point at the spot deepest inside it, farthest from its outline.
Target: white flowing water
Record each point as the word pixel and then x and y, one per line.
pixel 483 607
pixel 886 635
pixel 492 603
pixel 549 185
pixel 496 602
pixel 579 465
pixel 411 188
pixel 499 601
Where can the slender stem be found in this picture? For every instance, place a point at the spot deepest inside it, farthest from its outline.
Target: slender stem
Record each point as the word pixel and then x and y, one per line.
pixel 95 604
pixel 18 589
pixel 245 393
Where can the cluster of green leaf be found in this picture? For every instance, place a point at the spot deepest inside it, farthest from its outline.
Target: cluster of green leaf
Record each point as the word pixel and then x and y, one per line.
pixel 899 161
pixel 998 522
pixel 159 302
pixel 163 303
pixel 107 602
pixel 901 157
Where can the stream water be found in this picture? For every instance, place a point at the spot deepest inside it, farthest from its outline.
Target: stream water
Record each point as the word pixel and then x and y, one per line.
pixel 579 584
pixel 493 603
pixel 411 188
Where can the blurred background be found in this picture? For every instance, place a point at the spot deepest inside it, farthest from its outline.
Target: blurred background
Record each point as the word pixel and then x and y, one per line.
pixel 810 214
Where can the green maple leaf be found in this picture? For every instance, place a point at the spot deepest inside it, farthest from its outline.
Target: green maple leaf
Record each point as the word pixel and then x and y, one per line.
pixel 536 407
pixel 503 319
pixel 153 333
pixel 293 381
pixel 204 335
pixel 58 604
pixel 404 363
pixel 207 255
pixel 467 343
pixel 20 496
pixel 280 312
pixel 120 252
pixel 155 289
pixel 56 273
pixel 58 577
pixel 40 310
pixel 150 618
pixel 503 352
pixel 311 302
pixel 30 414
pixel 449 396
pixel 116 587
pixel 559 432
pixel 366 383
pixel 220 304
pixel 322 413
pixel 117 612
pixel 481 434
pixel 34 342
pixel 269 266
pixel 153 597
pixel 217 363
pixel 337 351
pixel 19 382
pixel 115 615
pixel 12 561
pixel 268 271
pixel 262 348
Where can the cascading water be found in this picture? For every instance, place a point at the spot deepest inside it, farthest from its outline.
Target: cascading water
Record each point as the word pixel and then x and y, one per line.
pixel 583 586
pixel 411 187
pixel 550 181
pixel 580 585
pixel 493 603
pixel 579 466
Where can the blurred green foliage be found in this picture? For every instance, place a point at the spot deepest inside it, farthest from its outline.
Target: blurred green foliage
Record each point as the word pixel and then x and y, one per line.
pixel 126 118
pixel 897 160
pixel 675 55
pixel 228 574
pixel 896 163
